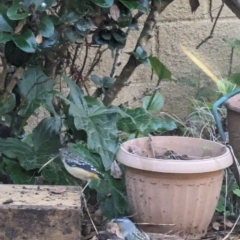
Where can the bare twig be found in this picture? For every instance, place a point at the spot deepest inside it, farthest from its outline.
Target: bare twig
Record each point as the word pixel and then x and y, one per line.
pixel 75 57
pixel 151 147
pixel 3 73
pixel 84 61
pixel 235 224
pixel 231 61
pixel 210 10
pixel 16 76
pixel 213 28
pixel 86 207
pixel 116 62
pixel 147 92
pixel 95 61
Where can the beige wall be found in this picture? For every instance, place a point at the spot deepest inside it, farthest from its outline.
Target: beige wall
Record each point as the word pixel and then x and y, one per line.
pixel 178 26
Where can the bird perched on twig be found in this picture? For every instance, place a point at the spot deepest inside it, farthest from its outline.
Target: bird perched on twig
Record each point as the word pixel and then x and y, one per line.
pixel 78 168
pixel 122 228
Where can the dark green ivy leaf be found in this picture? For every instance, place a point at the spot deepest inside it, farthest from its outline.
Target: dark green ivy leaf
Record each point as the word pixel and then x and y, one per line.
pixel 15 148
pixel 101 129
pixel 26 41
pixel 8 104
pixel 5 37
pixel 235 78
pixel 130 4
pixel 6 24
pixel 156 104
pixel 17 174
pixel 18 11
pixel 112 197
pixel 45 136
pixel 33 88
pixel 161 71
pixel 144 122
pixel 103 3
pixel 46 27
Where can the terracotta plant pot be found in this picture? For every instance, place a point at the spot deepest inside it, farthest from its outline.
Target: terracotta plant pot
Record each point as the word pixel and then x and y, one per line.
pixel 183 193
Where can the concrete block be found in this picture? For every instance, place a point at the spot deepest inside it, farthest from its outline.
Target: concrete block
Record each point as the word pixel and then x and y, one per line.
pixel 39 212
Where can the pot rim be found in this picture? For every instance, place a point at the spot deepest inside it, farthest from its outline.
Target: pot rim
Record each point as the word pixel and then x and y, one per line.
pixel 210 164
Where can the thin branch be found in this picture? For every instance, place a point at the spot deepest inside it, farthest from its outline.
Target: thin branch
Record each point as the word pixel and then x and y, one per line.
pixel 15 77
pixel 85 58
pixel 95 61
pixel 74 57
pixel 213 28
pixel 158 6
pixel 210 10
pixel 116 62
pixel 3 73
pixel 231 62
pixel 145 93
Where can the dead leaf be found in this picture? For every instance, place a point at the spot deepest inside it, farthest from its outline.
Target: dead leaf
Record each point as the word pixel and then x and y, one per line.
pixel 8 201
pixel 216 226
pixel 115 170
pixel 135 150
pixel 57 190
pixel 114 12
pixel 20 25
pixel 228 223
pixel 194 5
pixel 39 38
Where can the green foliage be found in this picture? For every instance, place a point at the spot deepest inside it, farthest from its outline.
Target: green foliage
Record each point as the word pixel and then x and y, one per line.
pixel 141 56
pixel 26 41
pixel 95 130
pixel 143 122
pixel 7 103
pixel 103 3
pixel 98 123
pixel 5 37
pixel 156 104
pixel 102 83
pixel 132 5
pixel 46 27
pixel 33 88
pixel 112 191
pixel 235 78
pixel 36 36
pixel 160 70
pixel 229 200
pixel 6 24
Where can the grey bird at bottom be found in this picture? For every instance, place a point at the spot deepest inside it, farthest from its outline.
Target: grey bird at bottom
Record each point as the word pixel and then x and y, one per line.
pixel 129 230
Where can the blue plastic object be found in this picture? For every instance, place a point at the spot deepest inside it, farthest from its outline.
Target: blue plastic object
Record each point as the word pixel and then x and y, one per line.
pixel 216 105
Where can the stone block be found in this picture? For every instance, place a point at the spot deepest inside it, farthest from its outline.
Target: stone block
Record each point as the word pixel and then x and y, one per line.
pixel 39 212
